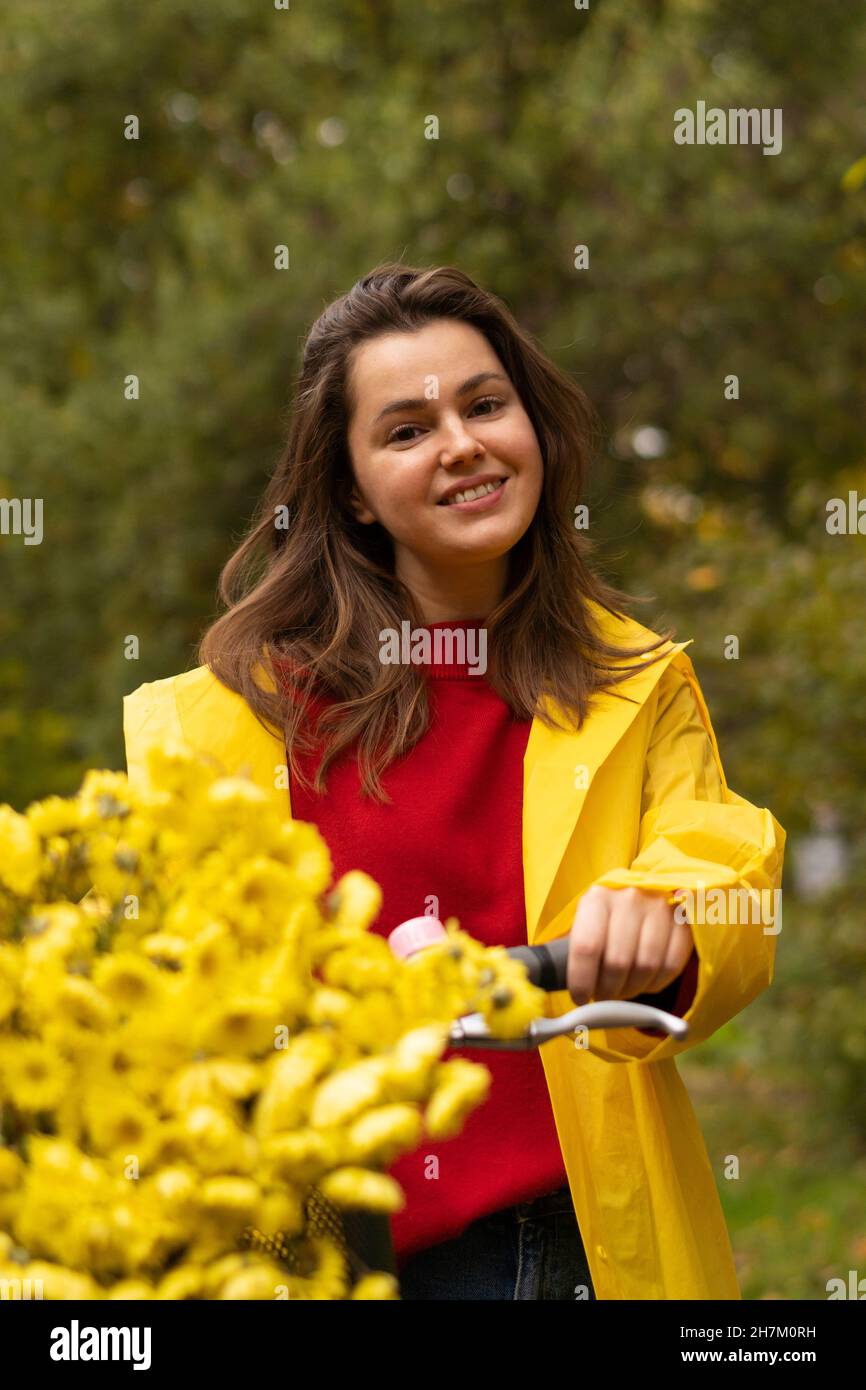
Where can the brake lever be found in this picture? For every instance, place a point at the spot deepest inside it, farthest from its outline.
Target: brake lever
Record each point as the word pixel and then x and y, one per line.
pixel 472 1029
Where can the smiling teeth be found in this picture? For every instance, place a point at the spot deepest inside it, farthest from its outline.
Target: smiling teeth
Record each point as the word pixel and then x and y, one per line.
pixel 472 492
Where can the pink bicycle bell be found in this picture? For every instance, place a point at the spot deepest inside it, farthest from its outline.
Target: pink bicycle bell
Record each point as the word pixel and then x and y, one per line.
pixel 415 935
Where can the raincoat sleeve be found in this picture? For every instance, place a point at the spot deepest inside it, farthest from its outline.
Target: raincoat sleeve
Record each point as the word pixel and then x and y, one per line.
pixel 697 834
pixel 150 716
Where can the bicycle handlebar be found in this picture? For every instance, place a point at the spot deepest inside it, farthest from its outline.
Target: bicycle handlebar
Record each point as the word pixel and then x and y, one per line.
pixel 546 966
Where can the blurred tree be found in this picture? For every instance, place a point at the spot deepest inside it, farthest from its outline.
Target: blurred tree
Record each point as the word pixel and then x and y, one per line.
pixel 306 126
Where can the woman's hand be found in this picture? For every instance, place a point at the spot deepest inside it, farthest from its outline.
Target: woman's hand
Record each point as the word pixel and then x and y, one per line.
pixel 625 942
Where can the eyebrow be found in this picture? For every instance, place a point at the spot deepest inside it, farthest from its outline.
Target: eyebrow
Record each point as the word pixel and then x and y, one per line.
pixel 395 407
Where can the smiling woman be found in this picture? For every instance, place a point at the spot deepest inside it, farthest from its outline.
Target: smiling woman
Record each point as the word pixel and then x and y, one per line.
pixel 459 449
pixel 412 384
pixel 435 460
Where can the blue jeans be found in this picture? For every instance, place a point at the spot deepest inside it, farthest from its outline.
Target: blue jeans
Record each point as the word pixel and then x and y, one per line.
pixel 531 1250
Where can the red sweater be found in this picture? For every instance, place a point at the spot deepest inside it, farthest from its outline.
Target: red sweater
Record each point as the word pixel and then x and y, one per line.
pixel 453 834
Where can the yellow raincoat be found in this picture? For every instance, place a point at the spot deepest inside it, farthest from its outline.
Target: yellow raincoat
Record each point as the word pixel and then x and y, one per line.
pixel 638 797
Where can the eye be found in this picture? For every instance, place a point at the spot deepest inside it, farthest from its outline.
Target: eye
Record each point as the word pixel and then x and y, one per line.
pixel 495 401
pixel 394 437
pixel 395 434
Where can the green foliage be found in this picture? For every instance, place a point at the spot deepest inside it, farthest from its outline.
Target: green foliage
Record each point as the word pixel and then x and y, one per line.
pixel 307 127
pixel 818 1024
pixel 780 1088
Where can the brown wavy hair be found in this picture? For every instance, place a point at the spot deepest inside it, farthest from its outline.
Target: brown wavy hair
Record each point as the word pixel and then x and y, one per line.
pixel 311 595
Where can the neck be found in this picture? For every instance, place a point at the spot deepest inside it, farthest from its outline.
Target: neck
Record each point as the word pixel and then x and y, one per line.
pixel 455 595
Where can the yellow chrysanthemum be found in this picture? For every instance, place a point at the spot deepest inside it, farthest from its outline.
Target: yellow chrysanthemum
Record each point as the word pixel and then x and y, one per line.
pixel 377 1137
pixel 133 1290
pixel 186 1281
pixel 11 1173
pixel 165 948
pixel 379 1287
pixel 211 1083
pixel 343 1096
pixel 173 1147
pixel 129 981
pixel 58 932
pixel 211 1042
pixel 373 1022
pixel 242 1026
pixel 175 770
pixel 356 901
pixel 105 797
pixel 32 1075
pixel 509 1001
pixel 215 1275
pixel 301 1156
pixel 261 1281
pixel 366 964
pixel 61 1163
pixel 10 976
pixel 89 1239
pixel 328 1279
pixel 325 1276
pixel 175 1188
pixel 20 859
pixel 119 867
pixel 300 846
pixel 259 885
pixel 82 1005
pixel 358 1187
pixel 39 986
pixel 230 1199
pixel 412 1062
pixel 462 1085
pixel 280 1210
pixel 217 1142
pixel 238 817
pixel 331 1006
pixel 119 1124
pixel 289 1080
pixel 55 815
pixel 286 977
pixel 60 1284
pixel 212 955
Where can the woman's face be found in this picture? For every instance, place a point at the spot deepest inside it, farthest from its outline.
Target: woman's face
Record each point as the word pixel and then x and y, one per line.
pixel 435 410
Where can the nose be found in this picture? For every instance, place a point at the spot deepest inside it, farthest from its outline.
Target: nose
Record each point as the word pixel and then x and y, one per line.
pixel 459 442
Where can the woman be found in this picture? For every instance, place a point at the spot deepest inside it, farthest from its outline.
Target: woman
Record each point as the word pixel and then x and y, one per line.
pixel 428 490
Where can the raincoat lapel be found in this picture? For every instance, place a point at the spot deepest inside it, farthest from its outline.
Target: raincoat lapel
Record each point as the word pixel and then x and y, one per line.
pixel 558 770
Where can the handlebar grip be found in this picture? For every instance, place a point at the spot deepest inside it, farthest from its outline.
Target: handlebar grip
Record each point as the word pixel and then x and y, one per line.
pixel 546 965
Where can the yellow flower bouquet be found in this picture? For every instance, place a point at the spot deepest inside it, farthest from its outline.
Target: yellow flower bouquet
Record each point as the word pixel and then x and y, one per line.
pixel 201 1047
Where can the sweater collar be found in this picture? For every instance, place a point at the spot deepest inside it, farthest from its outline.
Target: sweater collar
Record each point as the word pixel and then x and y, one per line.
pixel 457 649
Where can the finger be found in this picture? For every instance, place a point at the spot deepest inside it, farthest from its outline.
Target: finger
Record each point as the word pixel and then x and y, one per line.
pixel 586 945
pixel 680 947
pixel 623 934
pixel 652 947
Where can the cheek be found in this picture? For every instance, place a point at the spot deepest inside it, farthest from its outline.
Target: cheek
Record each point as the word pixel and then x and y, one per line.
pixel 408 482
pixel 520 442
pixel 395 490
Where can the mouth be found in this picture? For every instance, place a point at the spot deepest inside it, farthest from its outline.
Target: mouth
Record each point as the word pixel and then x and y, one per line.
pixel 476 499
